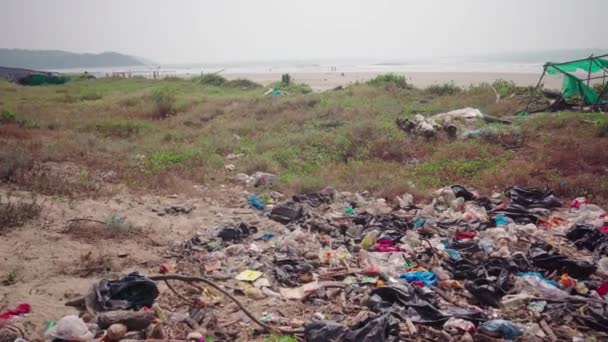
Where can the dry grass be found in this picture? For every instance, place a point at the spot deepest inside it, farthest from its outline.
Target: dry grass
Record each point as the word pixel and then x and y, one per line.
pixel 16 212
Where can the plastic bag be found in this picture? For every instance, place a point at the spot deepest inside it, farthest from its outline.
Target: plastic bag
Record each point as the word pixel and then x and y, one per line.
pixel 501 328
pixel 378 329
pixel 427 278
pixel 236 232
pixel 133 291
pixel 69 328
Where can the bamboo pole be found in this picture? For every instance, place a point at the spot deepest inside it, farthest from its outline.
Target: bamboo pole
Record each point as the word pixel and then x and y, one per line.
pixel 533 95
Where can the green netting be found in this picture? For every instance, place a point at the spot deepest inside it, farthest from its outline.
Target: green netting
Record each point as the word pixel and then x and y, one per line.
pixel 593 65
pixel 573 86
pixel 37 79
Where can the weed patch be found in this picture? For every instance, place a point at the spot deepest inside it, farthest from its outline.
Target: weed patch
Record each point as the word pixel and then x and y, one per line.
pixel 448 88
pixel 211 80
pixel 90 95
pixel 7 116
pixel 163 160
pixel 12 159
pixel 121 128
pixel 14 213
pixel 241 83
pixel 164 99
pixel 397 80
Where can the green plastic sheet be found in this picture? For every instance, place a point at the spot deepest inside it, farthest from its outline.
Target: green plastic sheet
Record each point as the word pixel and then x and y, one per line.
pixel 573 86
pixel 593 65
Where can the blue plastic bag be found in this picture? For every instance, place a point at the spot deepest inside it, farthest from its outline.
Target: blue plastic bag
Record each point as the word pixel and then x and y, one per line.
pixel 501 220
pixel 501 328
pixel 255 202
pixel 454 255
pixel 428 278
pixel 539 276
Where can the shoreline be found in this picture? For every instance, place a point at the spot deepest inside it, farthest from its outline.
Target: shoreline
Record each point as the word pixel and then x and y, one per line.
pixel 321 81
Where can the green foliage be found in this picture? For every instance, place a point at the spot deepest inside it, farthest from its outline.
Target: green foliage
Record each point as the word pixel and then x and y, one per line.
pixel 122 128
pixel 9 278
pixel 286 80
pixel 90 94
pixel 7 116
pixel 211 80
pixel 442 171
pixel 163 160
pixel 164 99
pixel 17 213
pixel 242 83
pixel 504 88
pixel 275 338
pixel 447 88
pixel 398 80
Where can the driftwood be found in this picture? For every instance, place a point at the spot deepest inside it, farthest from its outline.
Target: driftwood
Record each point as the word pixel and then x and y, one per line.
pixel 134 320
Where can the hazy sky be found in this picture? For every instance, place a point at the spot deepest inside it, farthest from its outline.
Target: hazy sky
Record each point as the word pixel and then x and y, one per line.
pixel 228 30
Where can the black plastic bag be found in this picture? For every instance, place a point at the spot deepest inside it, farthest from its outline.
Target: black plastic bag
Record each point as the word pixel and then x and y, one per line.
pixel 316 199
pixel 287 270
pixel 533 197
pixel 236 232
pixel 588 237
pixel 461 191
pixel 595 318
pixel 132 291
pixel 543 255
pixel 287 212
pixel 409 302
pixel 378 329
pixel 517 213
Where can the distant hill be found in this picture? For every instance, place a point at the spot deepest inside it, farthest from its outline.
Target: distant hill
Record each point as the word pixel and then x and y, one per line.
pixel 55 59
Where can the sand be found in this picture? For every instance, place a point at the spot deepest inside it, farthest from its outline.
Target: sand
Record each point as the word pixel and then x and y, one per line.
pixel 330 80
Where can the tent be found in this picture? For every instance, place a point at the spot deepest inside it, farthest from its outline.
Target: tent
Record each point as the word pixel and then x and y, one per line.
pixel 595 67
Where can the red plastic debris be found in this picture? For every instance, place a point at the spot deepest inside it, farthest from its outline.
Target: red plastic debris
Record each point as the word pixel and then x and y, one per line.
pixel 602 289
pixel 464 235
pixel 21 309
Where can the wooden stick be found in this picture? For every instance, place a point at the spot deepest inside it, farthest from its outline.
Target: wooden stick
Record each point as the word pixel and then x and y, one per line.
pixel 191 279
pixel 548 330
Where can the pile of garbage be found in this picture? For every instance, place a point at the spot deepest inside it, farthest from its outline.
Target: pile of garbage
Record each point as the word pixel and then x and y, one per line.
pixel 461 123
pixel 344 266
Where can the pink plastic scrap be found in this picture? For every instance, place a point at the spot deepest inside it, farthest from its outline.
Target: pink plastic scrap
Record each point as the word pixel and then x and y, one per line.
pixel 386 246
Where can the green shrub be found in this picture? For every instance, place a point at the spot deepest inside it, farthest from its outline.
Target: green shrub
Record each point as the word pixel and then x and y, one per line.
pixel 212 80
pixel 7 116
pixel 163 160
pixel 164 99
pixel 242 83
pixel 121 128
pixel 286 80
pixel 448 88
pixel 398 80
pixel 504 88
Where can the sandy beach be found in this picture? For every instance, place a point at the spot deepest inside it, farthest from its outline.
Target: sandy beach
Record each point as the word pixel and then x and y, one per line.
pixel 330 80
